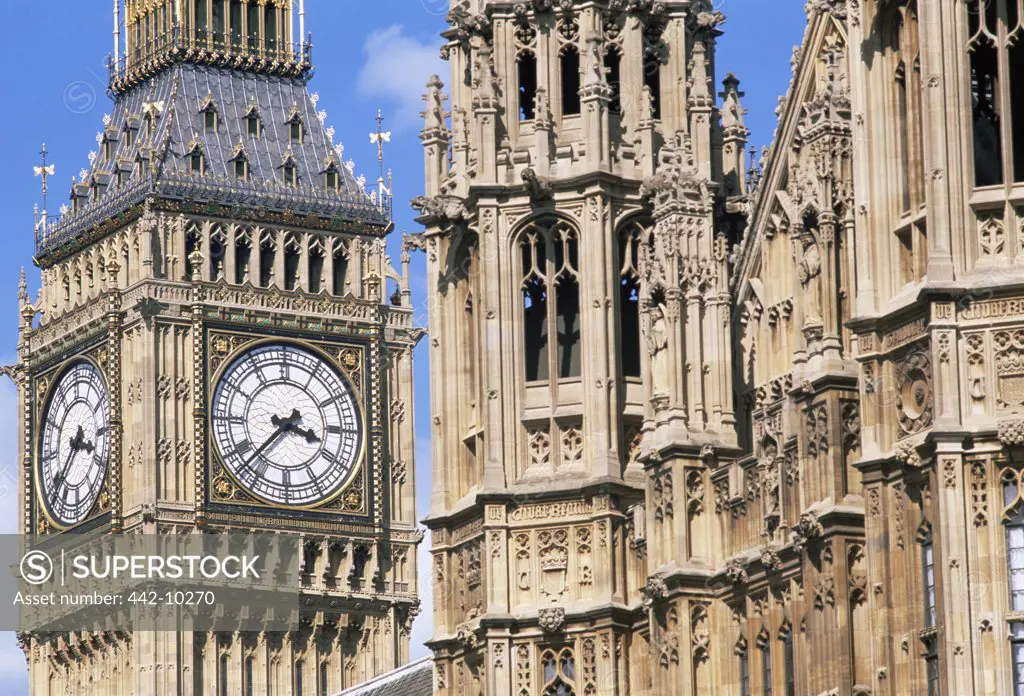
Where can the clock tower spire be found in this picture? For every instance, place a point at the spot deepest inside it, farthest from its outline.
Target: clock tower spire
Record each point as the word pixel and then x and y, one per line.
pixel 210 353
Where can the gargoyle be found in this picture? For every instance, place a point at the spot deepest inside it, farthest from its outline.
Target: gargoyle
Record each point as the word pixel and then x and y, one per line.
pixel 445 210
pixel 538 187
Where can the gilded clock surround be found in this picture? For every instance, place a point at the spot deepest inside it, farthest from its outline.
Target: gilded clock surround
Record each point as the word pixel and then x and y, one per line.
pixel 99 512
pixel 350 359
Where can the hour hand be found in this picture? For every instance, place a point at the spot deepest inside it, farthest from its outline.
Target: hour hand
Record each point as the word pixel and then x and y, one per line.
pixel 286 423
pixel 310 436
pixel 78 441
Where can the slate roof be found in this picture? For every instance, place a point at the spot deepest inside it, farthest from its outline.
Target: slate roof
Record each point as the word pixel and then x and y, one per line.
pixel 176 97
pixel 415 679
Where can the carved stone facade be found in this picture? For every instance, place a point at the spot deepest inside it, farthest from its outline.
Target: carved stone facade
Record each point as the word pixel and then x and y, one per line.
pixel 161 292
pixel 798 386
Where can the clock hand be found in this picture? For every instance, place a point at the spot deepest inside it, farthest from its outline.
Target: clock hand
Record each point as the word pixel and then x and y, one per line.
pixel 291 423
pixel 76 444
pixel 283 426
pixel 286 423
pixel 308 434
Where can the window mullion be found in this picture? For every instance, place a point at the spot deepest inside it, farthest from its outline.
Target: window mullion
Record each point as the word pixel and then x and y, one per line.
pixel 1005 115
pixel 552 314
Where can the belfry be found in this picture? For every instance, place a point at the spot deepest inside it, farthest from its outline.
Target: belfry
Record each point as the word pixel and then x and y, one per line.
pixel 221 344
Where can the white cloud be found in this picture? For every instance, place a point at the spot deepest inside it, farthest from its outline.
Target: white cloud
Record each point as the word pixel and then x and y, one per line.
pixel 396 71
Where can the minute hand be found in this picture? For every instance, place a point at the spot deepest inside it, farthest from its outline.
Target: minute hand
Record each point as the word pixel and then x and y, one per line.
pixel 270 440
pixel 75 445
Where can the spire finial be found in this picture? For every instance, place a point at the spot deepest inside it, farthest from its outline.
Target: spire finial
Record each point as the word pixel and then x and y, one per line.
pixel 378 139
pixel 44 171
pixel 23 298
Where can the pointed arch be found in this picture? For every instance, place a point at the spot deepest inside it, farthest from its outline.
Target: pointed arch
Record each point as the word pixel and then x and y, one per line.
pixel 526 84
pixel 548 250
pixel 631 235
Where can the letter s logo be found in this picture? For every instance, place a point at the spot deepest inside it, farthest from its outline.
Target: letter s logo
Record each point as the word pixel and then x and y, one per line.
pixel 36 567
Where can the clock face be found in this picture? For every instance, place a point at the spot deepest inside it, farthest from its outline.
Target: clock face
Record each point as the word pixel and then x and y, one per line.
pixel 73 450
pixel 286 425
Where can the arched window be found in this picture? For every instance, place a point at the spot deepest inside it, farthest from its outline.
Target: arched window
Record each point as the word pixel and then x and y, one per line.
pixel 292 256
pixel 788 665
pixel 905 63
pixel 298 677
pixel 613 74
pixel 766 668
pixel 570 68
pixel 323 679
pixel 526 66
pixel 254 26
pixel 192 242
pixel 241 166
pixel 340 269
pixel 196 163
pixel 268 258
pixel 248 676
pixel 243 254
pixel 744 666
pixel 929 595
pixel 270 27
pixel 218 22
pixel 629 297
pixel 652 66
pixel 903 73
pixel 217 242
pixel 996 55
pixel 360 555
pixel 222 676
pixel 559 672
pixel 201 20
pixel 550 280
pixel 252 123
pixel 1013 520
pixel 236 23
pixel 316 268
pixel 210 119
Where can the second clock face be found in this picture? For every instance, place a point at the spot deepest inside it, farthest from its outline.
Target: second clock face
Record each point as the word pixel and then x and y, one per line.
pixel 286 425
pixel 73 454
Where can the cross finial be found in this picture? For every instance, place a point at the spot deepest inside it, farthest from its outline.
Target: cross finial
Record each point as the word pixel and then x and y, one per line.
pixel 44 171
pixel 379 138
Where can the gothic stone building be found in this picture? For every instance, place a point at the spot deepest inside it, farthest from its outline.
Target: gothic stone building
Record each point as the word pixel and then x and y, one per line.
pixel 218 266
pixel 711 427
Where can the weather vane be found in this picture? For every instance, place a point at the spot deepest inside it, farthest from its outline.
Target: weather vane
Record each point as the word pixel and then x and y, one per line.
pixel 44 171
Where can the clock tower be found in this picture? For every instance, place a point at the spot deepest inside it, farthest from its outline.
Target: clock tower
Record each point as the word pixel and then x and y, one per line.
pixel 222 344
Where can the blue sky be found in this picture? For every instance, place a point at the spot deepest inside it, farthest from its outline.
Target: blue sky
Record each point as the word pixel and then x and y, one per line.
pixel 367 55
